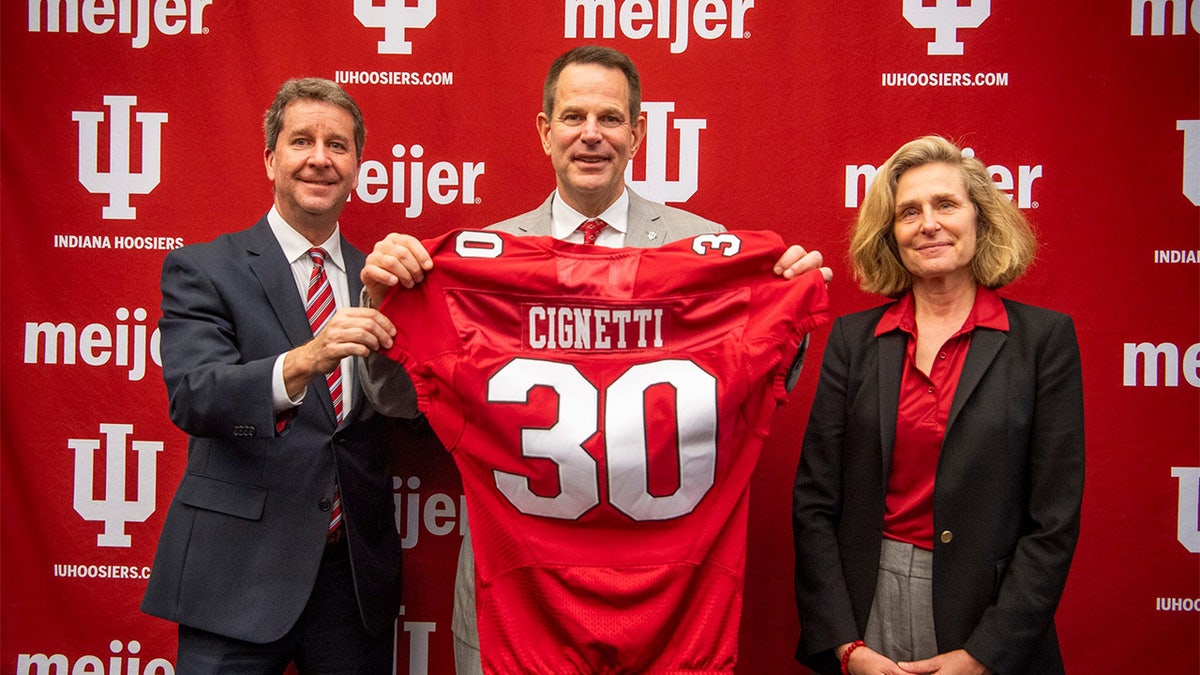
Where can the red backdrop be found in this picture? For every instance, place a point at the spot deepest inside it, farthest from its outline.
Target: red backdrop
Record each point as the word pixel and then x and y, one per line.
pixel 129 128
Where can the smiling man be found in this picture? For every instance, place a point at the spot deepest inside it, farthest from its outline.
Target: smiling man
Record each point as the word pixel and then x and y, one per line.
pixel 279 546
pixel 590 126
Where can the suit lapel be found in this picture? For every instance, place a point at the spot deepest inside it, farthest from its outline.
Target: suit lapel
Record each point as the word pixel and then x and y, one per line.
pixel 538 222
pixel 646 228
pixel 274 273
pixel 354 260
pixel 891 366
pixel 985 345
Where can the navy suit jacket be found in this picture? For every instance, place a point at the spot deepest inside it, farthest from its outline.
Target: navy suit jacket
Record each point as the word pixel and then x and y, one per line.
pixel 245 532
pixel 1006 498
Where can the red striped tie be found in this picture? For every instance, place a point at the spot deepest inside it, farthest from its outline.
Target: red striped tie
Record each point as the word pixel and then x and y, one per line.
pixel 319 306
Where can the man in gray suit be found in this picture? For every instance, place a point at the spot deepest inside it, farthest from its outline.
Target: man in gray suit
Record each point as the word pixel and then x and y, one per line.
pixel 590 126
pixel 280 544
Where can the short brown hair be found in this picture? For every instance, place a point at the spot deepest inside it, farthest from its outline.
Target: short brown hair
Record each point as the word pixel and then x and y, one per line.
pixel 312 89
pixel 601 56
pixel 1005 243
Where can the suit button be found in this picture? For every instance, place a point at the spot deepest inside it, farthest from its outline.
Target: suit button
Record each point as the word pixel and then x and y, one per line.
pixel 947 536
pixel 324 504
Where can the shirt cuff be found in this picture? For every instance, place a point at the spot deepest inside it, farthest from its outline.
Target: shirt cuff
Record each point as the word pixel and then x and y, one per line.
pixel 279 397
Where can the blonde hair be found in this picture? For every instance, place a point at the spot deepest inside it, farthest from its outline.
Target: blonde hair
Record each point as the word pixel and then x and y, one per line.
pixel 1005 243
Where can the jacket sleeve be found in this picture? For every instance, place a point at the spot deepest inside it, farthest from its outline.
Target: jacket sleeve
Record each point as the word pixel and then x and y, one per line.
pixel 1011 630
pixel 388 386
pixel 215 388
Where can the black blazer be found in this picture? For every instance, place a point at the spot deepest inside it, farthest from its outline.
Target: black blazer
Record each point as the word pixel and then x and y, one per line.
pixel 246 529
pixel 1007 494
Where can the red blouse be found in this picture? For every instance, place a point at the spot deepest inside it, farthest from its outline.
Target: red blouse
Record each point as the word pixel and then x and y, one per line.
pixel 923 412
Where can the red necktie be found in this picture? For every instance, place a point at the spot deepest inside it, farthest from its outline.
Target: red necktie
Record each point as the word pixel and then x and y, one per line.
pixel 591 230
pixel 319 306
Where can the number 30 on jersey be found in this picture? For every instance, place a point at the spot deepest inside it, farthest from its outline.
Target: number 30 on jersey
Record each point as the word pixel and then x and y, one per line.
pixel 624 419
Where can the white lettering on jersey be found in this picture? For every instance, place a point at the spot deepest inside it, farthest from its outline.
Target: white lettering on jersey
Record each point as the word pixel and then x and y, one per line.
pixel 728 244
pixel 476 244
pixel 625 438
pixel 625 435
pixel 562 443
pixel 550 327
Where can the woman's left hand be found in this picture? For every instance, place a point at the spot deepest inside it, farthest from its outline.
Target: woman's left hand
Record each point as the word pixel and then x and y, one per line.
pixel 957 662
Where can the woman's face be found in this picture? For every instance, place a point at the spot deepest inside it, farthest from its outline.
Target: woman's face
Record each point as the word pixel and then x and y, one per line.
pixel 935 222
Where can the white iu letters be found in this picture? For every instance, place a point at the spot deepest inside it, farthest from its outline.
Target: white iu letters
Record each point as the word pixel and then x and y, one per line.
pixel 119 182
pixel 946 17
pixel 394 17
pixel 113 509
pixel 1189 506
pixel 656 187
pixel 1191 157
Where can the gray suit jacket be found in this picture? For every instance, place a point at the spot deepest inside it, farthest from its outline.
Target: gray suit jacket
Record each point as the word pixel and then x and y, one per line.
pixel 245 532
pixel 650 224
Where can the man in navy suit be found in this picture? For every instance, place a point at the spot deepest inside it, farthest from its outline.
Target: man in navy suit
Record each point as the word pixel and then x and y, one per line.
pixel 280 545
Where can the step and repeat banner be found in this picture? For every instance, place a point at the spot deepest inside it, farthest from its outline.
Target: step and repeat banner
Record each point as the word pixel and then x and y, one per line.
pixel 133 127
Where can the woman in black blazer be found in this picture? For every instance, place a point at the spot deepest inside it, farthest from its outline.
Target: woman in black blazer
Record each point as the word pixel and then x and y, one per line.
pixel 936 505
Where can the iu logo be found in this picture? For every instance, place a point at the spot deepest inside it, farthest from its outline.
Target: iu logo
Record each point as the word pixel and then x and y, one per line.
pixel 946 17
pixel 394 17
pixel 119 182
pixel 1189 506
pixel 114 509
pixel 656 187
pixel 1191 156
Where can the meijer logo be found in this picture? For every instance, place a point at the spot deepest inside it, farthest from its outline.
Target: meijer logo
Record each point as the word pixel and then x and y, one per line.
pixel 171 17
pixel 1017 185
pixel 394 17
pixel 114 509
pixel 1189 506
pixel 1191 156
pixel 118 662
pixel 656 187
pixel 119 182
pixel 709 19
pixel 1158 16
pixel 946 17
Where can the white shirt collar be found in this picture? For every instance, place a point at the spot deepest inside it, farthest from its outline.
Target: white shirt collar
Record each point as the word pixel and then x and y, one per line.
pixel 567 220
pixel 295 245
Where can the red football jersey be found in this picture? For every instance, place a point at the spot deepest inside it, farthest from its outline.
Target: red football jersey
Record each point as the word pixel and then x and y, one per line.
pixel 605 408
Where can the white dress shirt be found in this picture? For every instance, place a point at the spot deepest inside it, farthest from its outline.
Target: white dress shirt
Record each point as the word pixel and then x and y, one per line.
pixel 295 249
pixel 567 221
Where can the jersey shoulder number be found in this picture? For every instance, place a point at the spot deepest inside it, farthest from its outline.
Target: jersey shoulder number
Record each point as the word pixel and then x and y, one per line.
pixel 724 243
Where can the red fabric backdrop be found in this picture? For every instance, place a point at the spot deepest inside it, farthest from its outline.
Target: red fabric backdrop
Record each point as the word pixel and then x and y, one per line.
pixel 132 127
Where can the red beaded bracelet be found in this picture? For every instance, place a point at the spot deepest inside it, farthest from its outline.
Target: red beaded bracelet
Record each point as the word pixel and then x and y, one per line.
pixel 846 655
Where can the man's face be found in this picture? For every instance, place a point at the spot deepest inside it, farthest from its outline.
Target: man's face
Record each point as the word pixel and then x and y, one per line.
pixel 314 163
pixel 590 138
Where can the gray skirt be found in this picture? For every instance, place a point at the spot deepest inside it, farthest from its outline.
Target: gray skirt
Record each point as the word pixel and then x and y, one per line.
pixel 900 625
